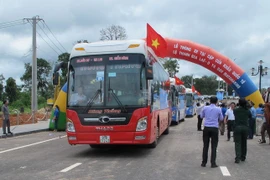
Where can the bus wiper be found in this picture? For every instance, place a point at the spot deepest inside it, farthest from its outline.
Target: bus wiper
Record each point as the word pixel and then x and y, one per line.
pixel 91 101
pixel 110 90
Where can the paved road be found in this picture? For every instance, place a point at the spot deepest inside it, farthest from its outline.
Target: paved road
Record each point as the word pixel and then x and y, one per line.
pixel 47 155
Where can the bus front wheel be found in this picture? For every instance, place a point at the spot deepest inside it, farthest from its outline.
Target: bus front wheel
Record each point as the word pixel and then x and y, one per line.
pixel 154 144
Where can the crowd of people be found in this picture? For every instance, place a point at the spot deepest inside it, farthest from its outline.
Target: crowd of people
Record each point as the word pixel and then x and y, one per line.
pixel 242 119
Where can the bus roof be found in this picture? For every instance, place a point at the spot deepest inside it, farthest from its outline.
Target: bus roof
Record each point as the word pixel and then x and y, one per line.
pixel 109 47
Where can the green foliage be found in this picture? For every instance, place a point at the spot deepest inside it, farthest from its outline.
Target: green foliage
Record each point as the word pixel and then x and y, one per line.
pixel 171 66
pixel 187 81
pixel 206 85
pixel 11 89
pixel 1 91
pixel 43 71
pixel 25 98
pixel 63 58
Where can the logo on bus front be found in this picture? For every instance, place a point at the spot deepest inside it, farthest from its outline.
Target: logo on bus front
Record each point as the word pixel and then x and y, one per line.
pixel 104 119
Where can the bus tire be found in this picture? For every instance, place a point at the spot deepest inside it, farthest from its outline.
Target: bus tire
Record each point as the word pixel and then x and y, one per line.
pixel 154 144
pixel 167 131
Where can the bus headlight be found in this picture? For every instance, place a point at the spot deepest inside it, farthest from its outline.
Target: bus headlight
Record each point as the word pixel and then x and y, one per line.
pixel 70 126
pixel 142 124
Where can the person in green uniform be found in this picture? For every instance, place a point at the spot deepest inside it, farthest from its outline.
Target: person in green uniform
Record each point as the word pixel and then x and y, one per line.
pixel 242 115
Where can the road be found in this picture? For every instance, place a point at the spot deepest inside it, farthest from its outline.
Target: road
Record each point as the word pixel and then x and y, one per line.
pixel 47 155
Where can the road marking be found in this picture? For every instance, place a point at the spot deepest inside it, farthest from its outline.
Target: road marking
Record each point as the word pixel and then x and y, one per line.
pixel 70 167
pixel 33 144
pixel 225 171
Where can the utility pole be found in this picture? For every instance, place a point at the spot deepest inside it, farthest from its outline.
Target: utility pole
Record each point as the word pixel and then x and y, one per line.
pixel 34 20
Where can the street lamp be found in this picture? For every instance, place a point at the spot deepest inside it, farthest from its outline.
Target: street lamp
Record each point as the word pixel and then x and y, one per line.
pixel 261 71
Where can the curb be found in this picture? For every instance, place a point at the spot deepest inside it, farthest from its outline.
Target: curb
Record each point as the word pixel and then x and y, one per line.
pixel 25 132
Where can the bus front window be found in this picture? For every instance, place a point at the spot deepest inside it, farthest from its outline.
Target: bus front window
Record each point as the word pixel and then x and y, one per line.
pixel 189 99
pixel 123 81
pixel 86 86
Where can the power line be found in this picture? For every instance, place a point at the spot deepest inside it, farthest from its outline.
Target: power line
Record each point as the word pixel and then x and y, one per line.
pixel 45 41
pixel 39 49
pixel 11 24
pixel 54 35
pixel 50 38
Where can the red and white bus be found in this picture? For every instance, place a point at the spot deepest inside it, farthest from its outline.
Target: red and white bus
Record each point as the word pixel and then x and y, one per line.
pixel 118 93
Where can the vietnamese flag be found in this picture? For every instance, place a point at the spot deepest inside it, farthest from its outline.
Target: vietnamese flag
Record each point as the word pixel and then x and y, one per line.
pixel 193 88
pixel 178 81
pixel 156 42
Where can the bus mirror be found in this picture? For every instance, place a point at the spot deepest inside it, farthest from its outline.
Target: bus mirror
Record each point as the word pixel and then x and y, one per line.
pixel 149 73
pixel 55 78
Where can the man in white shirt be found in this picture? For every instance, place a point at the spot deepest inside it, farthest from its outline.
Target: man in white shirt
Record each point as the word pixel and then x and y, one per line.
pixel 198 112
pixel 78 98
pixel 229 120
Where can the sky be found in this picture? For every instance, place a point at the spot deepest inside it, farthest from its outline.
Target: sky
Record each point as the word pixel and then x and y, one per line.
pixel 239 29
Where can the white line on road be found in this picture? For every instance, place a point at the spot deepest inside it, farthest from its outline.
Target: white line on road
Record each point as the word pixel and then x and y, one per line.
pixel 70 167
pixel 33 144
pixel 225 171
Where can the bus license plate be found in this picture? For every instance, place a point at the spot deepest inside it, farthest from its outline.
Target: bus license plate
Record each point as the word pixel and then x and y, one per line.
pixel 104 139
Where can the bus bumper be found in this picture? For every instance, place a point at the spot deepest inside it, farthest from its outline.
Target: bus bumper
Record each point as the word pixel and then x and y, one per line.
pixel 108 138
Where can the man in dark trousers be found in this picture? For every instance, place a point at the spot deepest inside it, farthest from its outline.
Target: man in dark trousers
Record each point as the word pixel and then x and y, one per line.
pixel 242 115
pixel 212 115
pixel 6 122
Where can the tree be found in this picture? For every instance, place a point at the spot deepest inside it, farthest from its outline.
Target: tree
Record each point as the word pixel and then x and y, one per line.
pixel 11 89
pixel 1 91
pixel 114 32
pixel 63 58
pixel 43 71
pixel 206 85
pixel 187 80
pixel 172 66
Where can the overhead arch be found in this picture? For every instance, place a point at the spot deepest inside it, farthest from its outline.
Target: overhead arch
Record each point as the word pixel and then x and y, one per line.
pixel 217 63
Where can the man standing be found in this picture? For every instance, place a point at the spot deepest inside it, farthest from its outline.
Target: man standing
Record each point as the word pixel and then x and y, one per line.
pixel 198 112
pixel 259 119
pixel 267 96
pixel 266 124
pixel 229 119
pixel 212 115
pixel 242 115
pixel 252 121
pixel 221 123
pixel 6 122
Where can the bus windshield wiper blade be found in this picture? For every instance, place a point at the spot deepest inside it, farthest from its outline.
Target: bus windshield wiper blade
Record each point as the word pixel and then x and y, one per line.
pixel 91 101
pixel 110 90
pixel 117 100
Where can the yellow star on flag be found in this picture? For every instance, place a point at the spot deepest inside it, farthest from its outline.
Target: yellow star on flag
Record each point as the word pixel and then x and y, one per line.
pixel 155 43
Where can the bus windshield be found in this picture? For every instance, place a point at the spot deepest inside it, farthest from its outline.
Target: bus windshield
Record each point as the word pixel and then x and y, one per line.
pixel 106 81
pixel 189 99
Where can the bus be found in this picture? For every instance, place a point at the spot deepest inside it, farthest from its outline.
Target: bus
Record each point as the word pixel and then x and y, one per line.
pixel 123 95
pixel 191 103
pixel 178 102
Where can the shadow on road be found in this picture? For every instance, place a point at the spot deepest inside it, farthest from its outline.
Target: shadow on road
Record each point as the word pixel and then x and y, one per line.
pixel 117 151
